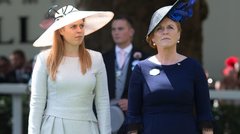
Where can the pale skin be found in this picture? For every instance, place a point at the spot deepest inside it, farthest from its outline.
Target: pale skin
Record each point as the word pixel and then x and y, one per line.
pixel 122 34
pixel 166 35
pixel 73 36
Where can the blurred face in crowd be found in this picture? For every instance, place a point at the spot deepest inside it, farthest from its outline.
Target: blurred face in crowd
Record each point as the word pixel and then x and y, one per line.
pixel 122 33
pixel 17 61
pixel 4 65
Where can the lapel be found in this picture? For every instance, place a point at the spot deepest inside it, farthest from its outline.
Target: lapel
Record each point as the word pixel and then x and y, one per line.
pixel 109 59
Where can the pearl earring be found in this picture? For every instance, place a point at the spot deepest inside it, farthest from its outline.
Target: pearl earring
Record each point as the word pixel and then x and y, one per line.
pixel 178 41
pixel 154 44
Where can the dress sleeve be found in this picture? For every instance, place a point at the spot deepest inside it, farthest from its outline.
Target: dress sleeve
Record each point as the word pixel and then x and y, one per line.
pixel 202 100
pixel 38 95
pixel 102 98
pixel 135 100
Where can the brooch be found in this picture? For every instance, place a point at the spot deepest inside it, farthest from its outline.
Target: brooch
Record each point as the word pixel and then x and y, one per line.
pixel 154 72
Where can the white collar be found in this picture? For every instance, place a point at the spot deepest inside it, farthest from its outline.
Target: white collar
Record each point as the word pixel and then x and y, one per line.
pixel 126 49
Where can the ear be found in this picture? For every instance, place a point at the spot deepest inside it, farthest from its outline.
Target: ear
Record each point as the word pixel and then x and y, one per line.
pixel 132 31
pixel 61 30
pixel 179 35
pixel 152 39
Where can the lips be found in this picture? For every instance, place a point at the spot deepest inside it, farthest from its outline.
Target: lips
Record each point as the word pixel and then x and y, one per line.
pixel 78 36
pixel 165 38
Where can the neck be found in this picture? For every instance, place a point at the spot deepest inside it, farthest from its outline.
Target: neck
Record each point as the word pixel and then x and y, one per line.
pixel 124 45
pixel 168 57
pixel 71 50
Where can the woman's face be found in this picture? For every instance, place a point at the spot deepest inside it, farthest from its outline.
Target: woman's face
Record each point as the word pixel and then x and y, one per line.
pixel 167 33
pixel 73 34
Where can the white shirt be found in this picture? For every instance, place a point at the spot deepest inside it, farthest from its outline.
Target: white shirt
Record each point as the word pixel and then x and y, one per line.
pixel 127 51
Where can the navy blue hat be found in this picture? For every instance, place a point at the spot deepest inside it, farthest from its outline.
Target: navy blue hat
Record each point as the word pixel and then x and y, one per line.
pixel 178 12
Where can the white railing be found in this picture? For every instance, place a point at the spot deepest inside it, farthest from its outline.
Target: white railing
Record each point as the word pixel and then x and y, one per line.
pixel 225 94
pixel 16 90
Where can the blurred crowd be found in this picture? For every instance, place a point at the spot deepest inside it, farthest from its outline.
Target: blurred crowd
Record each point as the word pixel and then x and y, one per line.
pixel 230 80
pixel 15 68
pixel 230 76
pixel 230 73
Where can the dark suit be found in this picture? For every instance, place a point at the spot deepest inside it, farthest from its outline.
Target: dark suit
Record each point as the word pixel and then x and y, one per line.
pixel 110 61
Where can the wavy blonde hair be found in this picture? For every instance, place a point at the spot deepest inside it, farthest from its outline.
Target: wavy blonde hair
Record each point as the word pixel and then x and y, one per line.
pixel 56 55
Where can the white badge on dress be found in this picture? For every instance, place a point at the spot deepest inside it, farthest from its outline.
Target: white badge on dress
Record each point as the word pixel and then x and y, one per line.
pixel 154 72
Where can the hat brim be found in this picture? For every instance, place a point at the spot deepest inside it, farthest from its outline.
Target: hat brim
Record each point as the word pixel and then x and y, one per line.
pixel 94 20
pixel 158 17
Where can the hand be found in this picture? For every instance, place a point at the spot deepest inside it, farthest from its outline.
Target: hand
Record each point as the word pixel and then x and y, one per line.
pixel 123 104
pixel 207 131
pixel 132 132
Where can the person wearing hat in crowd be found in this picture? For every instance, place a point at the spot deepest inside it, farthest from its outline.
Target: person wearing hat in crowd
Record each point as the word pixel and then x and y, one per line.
pixel 168 92
pixel 230 74
pixel 231 64
pixel 120 61
pixel 68 77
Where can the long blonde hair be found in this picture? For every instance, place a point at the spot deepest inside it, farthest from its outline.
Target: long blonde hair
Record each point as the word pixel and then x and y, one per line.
pixel 56 55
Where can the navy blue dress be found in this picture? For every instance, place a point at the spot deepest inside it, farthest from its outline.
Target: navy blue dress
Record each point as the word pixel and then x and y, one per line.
pixel 172 99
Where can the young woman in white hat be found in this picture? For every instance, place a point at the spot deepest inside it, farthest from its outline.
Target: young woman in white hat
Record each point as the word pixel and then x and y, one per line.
pixel 168 92
pixel 68 77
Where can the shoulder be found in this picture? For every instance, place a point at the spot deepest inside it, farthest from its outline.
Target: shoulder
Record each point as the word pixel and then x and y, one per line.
pixel 144 65
pixel 94 54
pixel 194 66
pixel 193 62
pixel 109 53
pixel 145 62
pixel 43 55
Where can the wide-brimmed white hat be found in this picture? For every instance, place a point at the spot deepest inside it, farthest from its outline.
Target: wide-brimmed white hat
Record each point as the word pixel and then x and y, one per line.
pixel 93 20
pixel 158 16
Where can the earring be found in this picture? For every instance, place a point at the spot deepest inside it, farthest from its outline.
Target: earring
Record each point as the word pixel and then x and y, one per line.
pixel 154 44
pixel 178 41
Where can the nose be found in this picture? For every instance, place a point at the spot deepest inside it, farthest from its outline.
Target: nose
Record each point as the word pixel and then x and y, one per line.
pixel 80 29
pixel 165 31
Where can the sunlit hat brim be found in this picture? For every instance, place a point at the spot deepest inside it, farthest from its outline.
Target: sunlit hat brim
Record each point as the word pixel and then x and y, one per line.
pixel 158 17
pixel 94 20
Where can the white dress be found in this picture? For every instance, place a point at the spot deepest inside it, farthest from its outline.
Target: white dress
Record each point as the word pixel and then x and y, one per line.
pixel 64 106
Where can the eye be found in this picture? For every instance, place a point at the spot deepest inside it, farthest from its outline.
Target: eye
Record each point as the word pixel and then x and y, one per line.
pixel 113 29
pixel 120 28
pixel 170 27
pixel 81 26
pixel 159 28
pixel 73 26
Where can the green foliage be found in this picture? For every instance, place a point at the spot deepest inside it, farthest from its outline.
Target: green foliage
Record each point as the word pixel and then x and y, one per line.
pixel 227 119
pixel 6 114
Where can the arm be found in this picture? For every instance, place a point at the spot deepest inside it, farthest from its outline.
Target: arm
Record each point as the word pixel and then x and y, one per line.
pixel 102 98
pixel 38 95
pixel 134 115
pixel 202 101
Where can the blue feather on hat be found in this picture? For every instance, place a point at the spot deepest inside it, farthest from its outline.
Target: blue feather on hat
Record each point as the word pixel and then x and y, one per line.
pixel 182 11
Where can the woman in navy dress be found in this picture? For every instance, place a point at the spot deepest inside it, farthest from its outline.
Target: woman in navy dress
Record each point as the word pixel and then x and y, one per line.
pixel 168 92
